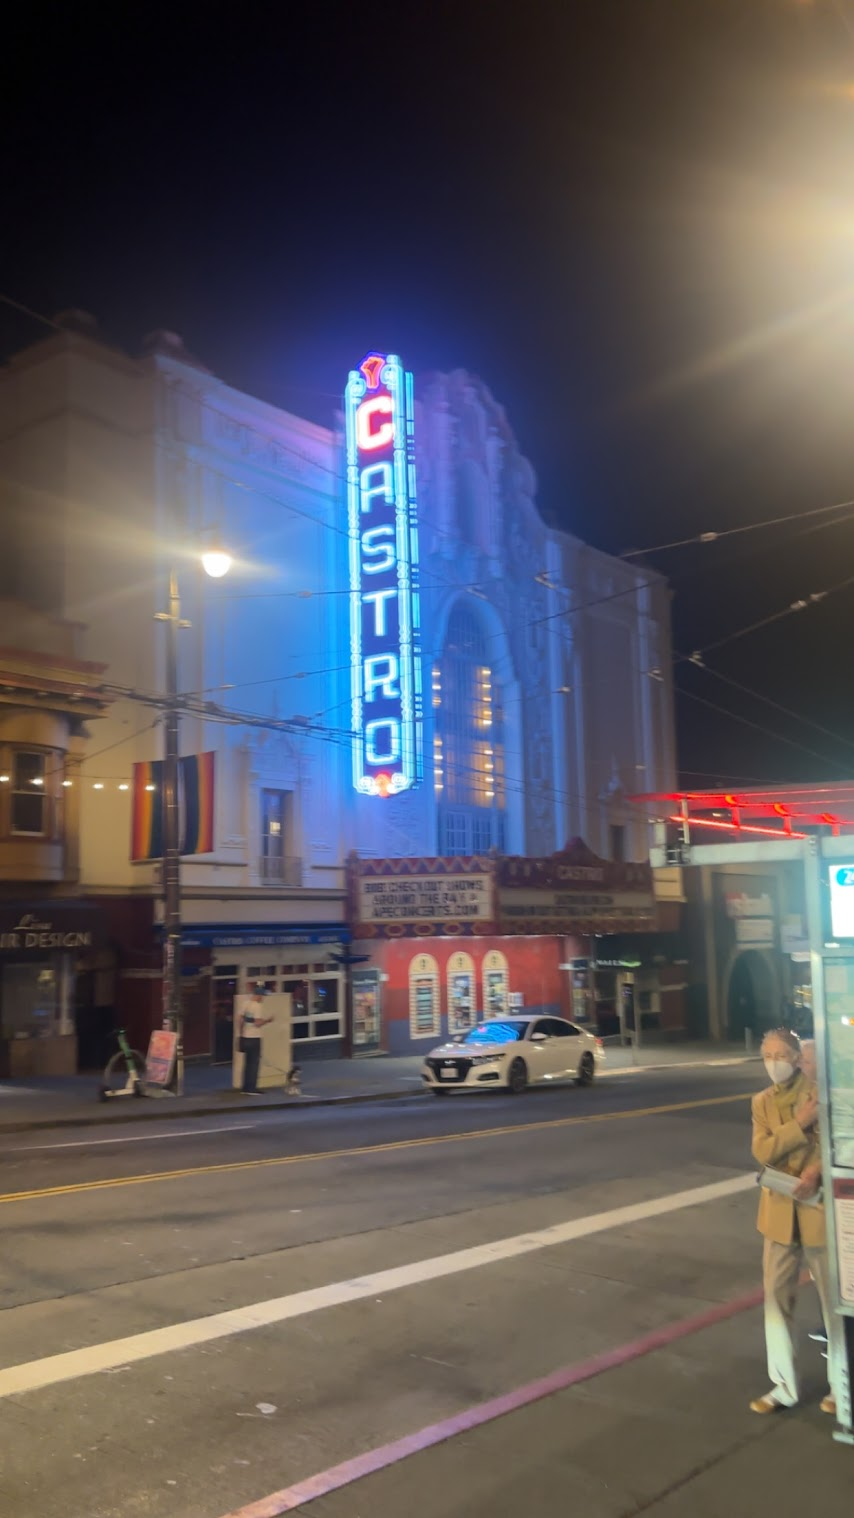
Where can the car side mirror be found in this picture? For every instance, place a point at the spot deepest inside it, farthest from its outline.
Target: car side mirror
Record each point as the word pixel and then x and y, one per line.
pixel 538 1038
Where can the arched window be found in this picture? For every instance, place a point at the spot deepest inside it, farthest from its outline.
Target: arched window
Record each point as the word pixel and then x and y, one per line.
pixel 496 984
pixel 462 1003
pixel 425 1017
pixel 468 744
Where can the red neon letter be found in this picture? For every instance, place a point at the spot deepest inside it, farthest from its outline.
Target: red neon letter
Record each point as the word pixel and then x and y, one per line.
pixel 367 436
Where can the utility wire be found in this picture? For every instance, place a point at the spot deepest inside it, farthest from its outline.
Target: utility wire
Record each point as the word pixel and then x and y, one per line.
pixel 759 728
pixel 730 532
pixel 777 705
pixel 803 604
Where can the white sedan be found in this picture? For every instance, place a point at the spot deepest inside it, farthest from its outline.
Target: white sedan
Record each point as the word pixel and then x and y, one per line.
pixel 512 1053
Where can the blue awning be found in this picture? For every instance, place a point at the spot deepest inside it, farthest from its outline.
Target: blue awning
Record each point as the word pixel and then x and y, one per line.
pixel 260 935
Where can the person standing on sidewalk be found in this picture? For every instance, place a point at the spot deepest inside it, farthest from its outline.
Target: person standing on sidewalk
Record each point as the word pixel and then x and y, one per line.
pixel 251 1023
pixel 785 1138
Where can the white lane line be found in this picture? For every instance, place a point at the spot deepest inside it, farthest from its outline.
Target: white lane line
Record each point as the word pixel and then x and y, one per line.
pixel 131 1138
pixel 75 1363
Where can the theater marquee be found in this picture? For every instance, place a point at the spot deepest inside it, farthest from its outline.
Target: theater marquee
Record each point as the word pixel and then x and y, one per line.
pixel 412 898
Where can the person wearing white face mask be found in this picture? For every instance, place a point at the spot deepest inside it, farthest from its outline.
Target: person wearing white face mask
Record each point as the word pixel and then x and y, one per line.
pixel 785 1138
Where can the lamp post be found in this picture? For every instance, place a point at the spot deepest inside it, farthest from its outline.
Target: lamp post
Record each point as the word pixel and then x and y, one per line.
pixel 216 563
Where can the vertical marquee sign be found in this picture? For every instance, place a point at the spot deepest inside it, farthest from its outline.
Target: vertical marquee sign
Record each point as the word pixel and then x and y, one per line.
pixel 384 599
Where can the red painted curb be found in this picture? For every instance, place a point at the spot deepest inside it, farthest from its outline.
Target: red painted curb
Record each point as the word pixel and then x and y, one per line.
pixel 338 1476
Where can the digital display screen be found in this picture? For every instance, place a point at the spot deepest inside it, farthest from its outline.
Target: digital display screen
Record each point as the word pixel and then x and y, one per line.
pixel 842 900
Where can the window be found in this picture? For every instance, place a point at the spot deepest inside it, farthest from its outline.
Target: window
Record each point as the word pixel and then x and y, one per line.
pixel 222 1007
pixel 482 834
pixel 461 1003
pixel 618 843
pixel 496 984
pixel 29 802
pixel 496 1033
pixel 454 834
pixel 468 748
pixel 326 1021
pixel 31 1000
pixel 424 1015
pixel 277 862
pixel 557 1029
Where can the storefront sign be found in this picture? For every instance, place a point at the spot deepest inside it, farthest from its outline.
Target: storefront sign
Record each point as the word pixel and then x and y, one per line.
pixel 574 892
pixel 384 598
pixel 533 911
pixel 793 938
pixel 426 898
pixel 739 904
pixel 257 936
pixel 421 898
pixel 41 930
pixel 755 931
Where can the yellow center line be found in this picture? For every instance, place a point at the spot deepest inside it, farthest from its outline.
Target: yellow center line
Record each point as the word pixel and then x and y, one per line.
pixel 151 1177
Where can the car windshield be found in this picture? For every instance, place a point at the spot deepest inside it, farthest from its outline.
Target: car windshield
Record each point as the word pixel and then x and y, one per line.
pixel 495 1033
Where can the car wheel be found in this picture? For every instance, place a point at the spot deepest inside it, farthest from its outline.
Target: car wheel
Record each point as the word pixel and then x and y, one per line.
pixel 586 1070
pixel 517 1077
pixel 439 1090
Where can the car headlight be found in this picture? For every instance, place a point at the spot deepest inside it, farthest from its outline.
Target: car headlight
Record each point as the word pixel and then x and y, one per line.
pixel 486 1059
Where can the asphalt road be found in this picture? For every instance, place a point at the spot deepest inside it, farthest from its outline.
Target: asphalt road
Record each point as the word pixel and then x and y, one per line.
pixel 382 1267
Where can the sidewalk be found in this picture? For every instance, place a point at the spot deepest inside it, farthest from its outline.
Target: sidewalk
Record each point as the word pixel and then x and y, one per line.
pixel 666 1433
pixel 65 1101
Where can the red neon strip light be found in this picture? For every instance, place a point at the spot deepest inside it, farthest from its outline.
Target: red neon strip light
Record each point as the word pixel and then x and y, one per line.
pixel 731 827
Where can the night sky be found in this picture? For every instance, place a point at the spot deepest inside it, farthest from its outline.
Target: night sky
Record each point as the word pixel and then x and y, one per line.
pixel 634 220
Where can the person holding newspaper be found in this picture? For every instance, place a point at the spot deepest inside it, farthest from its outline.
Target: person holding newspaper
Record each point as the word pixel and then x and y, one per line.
pixel 791 1217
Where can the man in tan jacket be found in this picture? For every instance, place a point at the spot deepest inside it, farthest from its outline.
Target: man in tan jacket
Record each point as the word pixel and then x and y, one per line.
pixel 785 1138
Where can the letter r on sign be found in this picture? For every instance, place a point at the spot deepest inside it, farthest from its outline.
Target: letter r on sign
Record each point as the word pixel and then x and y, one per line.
pixel 381 672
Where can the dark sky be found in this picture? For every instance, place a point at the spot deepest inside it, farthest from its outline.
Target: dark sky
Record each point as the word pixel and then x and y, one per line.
pixel 633 218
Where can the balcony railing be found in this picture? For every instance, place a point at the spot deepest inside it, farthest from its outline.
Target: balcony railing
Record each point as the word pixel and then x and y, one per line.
pixel 280 869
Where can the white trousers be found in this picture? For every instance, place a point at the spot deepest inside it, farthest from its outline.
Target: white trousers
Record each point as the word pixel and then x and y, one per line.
pixel 781 1269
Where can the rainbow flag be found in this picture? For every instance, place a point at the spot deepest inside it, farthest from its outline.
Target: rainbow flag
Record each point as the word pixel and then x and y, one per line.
pixel 195 807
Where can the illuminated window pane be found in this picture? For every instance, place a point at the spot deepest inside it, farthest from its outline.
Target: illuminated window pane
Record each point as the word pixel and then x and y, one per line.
pixel 469 744
pixel 29 802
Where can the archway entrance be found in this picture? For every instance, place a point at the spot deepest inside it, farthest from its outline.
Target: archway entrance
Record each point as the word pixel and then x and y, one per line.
pixel 752 1000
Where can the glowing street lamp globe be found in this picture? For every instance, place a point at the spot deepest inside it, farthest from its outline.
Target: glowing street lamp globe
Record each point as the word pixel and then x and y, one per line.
pixel 216 562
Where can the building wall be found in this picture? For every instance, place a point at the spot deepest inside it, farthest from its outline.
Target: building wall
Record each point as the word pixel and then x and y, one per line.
pixel 113 469
pixel 533 971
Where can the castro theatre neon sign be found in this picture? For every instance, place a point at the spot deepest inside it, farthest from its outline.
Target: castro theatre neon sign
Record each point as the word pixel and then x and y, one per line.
pixel 384 600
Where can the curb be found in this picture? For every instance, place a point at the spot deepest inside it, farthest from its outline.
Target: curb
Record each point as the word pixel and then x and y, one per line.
pixel 141 1113
pixel 688 1064
pixel 222 1109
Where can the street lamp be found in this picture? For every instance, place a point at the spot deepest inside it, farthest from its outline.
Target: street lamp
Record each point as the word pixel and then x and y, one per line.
pixel 216 563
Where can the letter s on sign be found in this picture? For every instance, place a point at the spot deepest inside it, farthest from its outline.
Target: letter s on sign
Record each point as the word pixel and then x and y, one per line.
pixel 373 548
pixel 368 436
